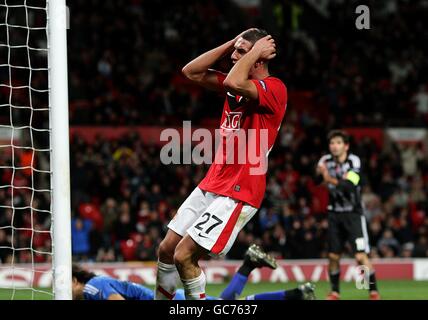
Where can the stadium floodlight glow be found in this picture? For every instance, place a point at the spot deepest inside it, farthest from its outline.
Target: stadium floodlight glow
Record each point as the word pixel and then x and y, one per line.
pixel 35 235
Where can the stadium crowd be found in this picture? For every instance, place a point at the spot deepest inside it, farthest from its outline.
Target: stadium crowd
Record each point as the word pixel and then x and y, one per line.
pixel 370 77
pixel 122 196
pixel 131 202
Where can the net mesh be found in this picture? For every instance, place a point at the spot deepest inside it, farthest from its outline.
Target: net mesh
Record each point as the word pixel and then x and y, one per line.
pixel 25 191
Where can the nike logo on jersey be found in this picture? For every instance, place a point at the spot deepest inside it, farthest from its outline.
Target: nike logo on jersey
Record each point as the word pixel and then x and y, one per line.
pixel 235 101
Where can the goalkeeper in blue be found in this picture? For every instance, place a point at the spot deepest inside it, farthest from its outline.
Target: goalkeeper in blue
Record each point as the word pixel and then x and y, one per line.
pixel 89 286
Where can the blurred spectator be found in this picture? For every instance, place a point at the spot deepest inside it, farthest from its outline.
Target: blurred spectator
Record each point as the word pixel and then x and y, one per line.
pixel 147 248
pixel 80 230
pixel 124 226
pixel 421 247
pixel 106 255
pixel 110 213
pixel 421 101
pixel 6 248
pixel 407 251
pixel 388 246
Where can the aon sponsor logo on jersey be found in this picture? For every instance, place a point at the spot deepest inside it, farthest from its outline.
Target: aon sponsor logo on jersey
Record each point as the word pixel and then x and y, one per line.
pixel 232 121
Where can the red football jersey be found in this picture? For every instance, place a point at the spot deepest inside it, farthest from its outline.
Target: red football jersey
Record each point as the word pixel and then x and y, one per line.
pixel 248 125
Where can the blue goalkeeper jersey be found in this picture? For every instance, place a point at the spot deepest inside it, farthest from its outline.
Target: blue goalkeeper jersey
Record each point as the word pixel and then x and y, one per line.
pixel 101 287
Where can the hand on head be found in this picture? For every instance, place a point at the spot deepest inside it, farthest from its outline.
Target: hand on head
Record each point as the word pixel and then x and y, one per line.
pixel 266 48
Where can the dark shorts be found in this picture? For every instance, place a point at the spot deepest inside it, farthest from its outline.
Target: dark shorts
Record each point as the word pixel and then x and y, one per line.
pixel 346 226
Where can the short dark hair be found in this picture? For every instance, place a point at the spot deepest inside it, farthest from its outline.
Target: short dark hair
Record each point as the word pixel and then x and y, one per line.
pixel 338 134
pixel 81 275
pixel 254 34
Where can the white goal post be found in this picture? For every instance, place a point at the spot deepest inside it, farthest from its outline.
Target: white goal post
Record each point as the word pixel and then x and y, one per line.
pixel 60 158
pixel 35 210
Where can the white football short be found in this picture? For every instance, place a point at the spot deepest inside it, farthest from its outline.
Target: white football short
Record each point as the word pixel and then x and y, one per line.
pixel 213 221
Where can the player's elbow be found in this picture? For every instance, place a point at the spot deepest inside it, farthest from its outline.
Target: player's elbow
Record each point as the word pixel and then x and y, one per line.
pixel 185 71
pixel 240 87
pixel 232 85
pixel 190 74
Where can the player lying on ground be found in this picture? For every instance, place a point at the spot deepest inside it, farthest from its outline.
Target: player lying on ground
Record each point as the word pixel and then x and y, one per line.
pixel 89 286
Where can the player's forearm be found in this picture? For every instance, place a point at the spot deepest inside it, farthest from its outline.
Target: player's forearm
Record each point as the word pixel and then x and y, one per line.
pixel 196 68
pixel 116 297
pixel 330 180
pixel 238 75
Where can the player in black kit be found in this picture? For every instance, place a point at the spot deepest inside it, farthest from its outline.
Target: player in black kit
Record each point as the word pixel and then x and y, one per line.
pixel 340 171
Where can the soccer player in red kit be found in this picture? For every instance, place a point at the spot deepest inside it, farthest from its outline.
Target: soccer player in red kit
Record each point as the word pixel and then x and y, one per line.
pixel 210 219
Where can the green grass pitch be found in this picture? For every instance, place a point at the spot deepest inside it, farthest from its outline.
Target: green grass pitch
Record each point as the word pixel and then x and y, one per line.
pixel 390 290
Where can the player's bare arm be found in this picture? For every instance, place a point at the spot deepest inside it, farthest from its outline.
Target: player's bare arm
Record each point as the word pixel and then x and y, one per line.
pixel 322 169
pixel 115 297
pixel 199 69
pixel 345 183
pixel 238 80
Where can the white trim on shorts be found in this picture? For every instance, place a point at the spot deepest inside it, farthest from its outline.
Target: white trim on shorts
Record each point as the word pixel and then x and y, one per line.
pixel 365 234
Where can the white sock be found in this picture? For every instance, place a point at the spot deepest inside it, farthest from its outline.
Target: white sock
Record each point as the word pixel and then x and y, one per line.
pixel 166 281
pixel 194 289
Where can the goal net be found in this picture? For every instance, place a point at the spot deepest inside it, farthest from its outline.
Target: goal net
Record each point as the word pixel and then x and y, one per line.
pixel 27 128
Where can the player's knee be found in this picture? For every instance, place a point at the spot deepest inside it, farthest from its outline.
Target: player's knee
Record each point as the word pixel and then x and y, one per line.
pixel 361 258
pixel 166 252
pixel 334 257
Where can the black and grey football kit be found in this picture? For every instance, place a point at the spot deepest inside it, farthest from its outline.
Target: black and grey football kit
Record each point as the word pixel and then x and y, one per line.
pixel 345 209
